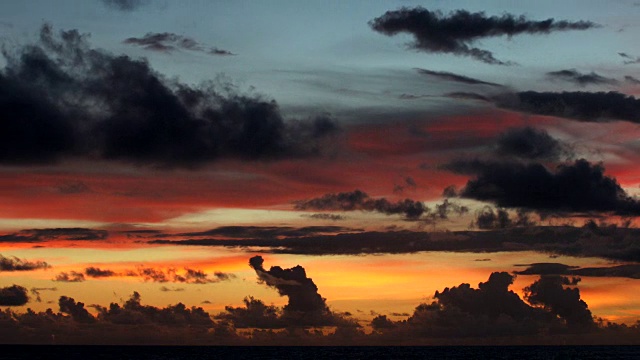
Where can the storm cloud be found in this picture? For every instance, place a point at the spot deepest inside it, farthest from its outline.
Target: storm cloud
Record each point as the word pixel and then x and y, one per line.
pixel 455 32
pixel 577 187
pixel 168 42
pixel 61 99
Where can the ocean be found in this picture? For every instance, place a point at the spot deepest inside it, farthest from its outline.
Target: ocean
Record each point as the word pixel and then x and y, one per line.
pixel 365 353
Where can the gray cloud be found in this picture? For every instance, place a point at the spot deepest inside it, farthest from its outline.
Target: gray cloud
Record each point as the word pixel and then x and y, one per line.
pixel 578 78
pixel 455 77
pixel 168 42
pixel 15 264
pixel 455 32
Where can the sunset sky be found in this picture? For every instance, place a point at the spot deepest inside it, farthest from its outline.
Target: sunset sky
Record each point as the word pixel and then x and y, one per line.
pixel 391 149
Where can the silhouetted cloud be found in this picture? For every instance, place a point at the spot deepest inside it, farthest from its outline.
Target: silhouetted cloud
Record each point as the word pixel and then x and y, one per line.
pixel 577 187
pixel 166 289
pixel 455 32
pixel 168 42
pixel 583 106
pixel 95 272
pixel 36 292
pixel 124 5
pixel 15 264
pixel 14 295
pixel 42 235
pixel 76 309
pixel 550 292
pixel 52 90
pixel 325 216
pixel 359 200
pixel 578 78
pixel 444 75
pixel 530 143
pixel 631 271
pixel 235 231
pixel 71 276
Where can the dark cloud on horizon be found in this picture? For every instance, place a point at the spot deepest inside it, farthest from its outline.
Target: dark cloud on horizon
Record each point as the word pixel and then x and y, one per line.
pixel 14 295
pixel 577 187
pixel 531 144
pixel 43 235
pixel 578 78
pixel 61 99
pixel 455 32
pixel 359 200
pixel 124 5
pixel 169 42
pixel 15 264
pixel 444 75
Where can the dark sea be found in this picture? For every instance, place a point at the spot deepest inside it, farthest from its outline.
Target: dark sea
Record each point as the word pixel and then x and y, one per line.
pixel 368 353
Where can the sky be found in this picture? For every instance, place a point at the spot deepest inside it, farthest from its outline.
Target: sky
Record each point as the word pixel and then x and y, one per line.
pixel 349 172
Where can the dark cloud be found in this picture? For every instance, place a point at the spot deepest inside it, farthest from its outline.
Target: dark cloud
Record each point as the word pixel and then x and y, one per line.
pixel 326 216
pixel 631 80
pixel 124 5
pixel 550 292
pixel 75 309
pixel 305 306
pixel 14 295
pixel 409 183
pixel 455 77
pixel 254 314
pixel 61 99
pixel 95 272
pixel 467 96
pixel 577 187
pixel 582 106
pixel 73 187
pixel 15 264
pixel 631 271
pixel 455 32
pixel 359 200
pixel 531 144
pixel 71 276
pixel 261 232
pixel 166 289
pixel 629 59
pixel 578 78
pixel 168 42
pixel 36 292
pixel 42 235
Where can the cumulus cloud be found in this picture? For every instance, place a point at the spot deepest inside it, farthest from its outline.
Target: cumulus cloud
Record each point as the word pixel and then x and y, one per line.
pixel 61 99
pixel 14 295
pixel 578 78
pixel 444 75
pixel 168 42
pixel 455 32
pixel 15 264
pixel 577 187
pixel 95 272
pixel 530 143
pixel 359 200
